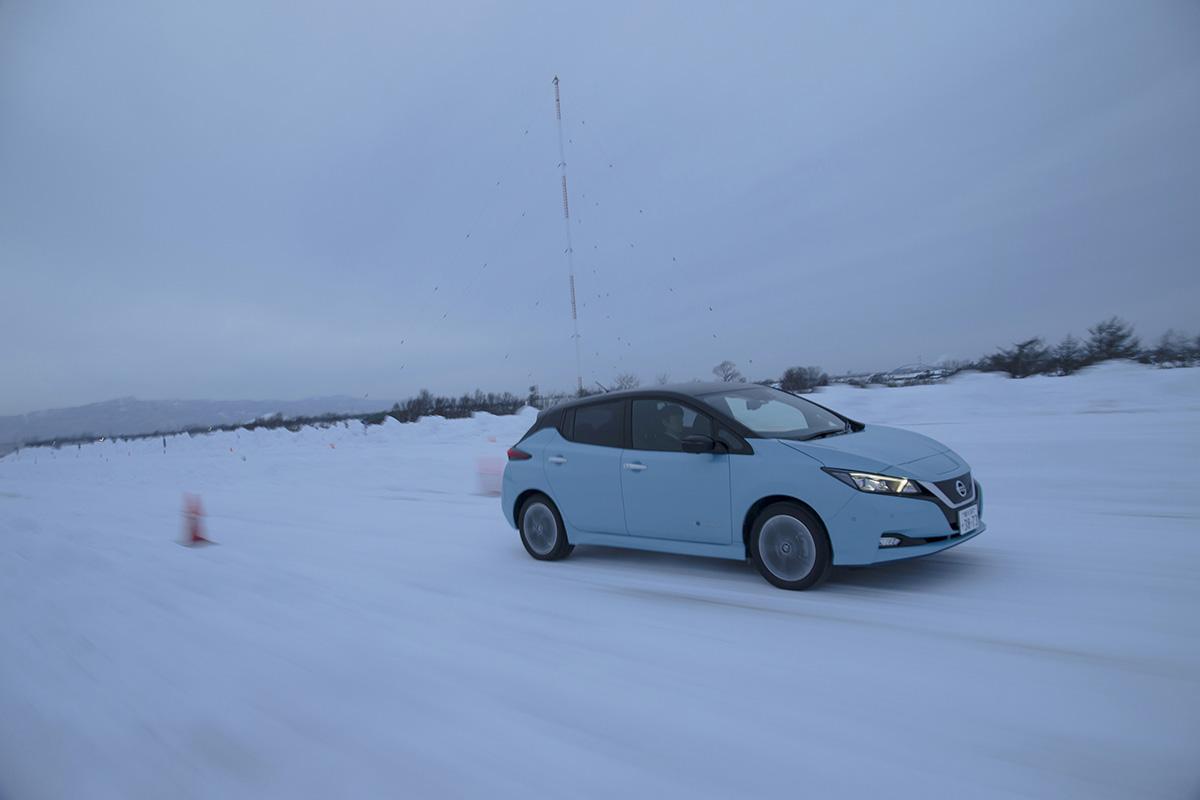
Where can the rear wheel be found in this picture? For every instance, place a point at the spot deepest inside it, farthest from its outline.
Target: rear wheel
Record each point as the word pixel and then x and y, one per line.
pixel 542 530
pixel 789 546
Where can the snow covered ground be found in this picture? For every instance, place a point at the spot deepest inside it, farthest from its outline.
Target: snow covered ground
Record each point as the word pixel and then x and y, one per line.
pixel 369 626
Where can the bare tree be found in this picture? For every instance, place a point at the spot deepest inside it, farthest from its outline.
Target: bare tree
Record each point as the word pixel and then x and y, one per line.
pixel 728 372
pixel 626 380
pixel 802 379
pixel 663 378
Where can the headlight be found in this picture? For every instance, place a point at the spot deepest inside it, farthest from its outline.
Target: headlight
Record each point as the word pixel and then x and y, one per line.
pixel 876 484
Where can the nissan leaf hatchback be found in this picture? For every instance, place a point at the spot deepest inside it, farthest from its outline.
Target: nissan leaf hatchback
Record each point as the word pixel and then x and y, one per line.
pixel 735 471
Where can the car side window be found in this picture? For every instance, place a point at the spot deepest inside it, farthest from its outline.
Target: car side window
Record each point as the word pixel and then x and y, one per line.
pixel 661 424
pixel 547 419
pixel 599 423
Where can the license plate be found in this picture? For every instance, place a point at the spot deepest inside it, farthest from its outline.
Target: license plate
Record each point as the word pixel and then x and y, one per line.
pixel 968 519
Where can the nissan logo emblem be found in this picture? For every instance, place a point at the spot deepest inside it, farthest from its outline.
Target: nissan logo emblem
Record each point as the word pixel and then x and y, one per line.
pixel 961 487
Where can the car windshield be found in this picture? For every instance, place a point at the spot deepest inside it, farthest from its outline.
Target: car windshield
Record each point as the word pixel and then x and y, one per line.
pixel 773 414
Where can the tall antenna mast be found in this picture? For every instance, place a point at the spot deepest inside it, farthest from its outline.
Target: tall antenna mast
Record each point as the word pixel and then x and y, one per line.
pixel 562 168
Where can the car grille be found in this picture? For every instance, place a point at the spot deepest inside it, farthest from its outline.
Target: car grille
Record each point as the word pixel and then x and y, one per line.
pixel 949 488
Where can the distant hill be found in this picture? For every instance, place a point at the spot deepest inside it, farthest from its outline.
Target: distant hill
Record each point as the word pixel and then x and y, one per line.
pixel 128 415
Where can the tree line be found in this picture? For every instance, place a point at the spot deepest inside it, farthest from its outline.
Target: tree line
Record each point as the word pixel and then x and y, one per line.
pixel 1106 340
pixel 424 404
pixel 1109 339
pixel 794 379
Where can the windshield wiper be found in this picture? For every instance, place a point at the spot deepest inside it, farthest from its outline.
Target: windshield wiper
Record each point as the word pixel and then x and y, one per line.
pixel 822 435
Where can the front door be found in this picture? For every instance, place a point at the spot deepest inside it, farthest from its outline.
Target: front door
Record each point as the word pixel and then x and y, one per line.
pixel 670 494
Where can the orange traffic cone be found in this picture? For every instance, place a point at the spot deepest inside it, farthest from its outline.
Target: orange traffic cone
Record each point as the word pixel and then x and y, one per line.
pixel 193 513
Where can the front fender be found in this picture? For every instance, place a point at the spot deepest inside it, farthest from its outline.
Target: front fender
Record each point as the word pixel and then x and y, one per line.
pixel 776 470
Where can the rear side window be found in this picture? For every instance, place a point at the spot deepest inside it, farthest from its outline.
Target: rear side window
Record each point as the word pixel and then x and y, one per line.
pixel 547 419
pixel 600 423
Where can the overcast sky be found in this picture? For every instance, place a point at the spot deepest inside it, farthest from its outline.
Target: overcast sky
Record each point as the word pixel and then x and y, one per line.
pixel 278 200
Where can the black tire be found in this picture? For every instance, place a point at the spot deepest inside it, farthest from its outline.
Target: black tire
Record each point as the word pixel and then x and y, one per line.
pixel 790 556
pixel 533 522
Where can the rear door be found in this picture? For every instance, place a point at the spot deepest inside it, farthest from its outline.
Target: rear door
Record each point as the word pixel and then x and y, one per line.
pixel 670 494
pixel 584 468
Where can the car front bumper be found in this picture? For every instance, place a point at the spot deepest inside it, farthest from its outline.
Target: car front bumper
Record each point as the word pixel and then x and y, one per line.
pixel 900 553
pixel 856 530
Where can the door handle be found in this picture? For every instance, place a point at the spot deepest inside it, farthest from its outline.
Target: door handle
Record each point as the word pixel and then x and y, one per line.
pixel 557 460
pixel 634 466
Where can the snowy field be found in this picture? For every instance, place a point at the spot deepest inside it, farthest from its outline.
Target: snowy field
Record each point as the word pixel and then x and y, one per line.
pixel 369 626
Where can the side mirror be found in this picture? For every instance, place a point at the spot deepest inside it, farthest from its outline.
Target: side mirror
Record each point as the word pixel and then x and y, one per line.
pixel 698 443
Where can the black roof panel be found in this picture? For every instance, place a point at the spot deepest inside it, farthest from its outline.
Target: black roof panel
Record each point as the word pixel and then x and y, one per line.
pixel 692 389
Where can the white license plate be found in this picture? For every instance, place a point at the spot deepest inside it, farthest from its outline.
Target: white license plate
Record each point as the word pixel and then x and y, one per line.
pixel 968 519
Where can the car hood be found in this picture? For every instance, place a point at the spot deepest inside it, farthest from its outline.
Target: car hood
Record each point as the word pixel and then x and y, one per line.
pixel 878 448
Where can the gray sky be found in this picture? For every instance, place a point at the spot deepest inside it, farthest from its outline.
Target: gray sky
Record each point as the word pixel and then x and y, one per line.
pixel 253 199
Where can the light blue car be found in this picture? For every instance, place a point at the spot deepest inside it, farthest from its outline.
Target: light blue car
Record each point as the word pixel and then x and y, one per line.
pixel 734 470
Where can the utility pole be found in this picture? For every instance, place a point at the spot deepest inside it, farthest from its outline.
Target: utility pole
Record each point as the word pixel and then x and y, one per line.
pixel 562 168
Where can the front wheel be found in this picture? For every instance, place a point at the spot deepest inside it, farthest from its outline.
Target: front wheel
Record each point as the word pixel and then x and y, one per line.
pixel 789 546
pixel 542 530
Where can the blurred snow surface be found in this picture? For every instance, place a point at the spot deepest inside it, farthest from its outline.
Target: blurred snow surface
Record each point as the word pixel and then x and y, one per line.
pixel 369 626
